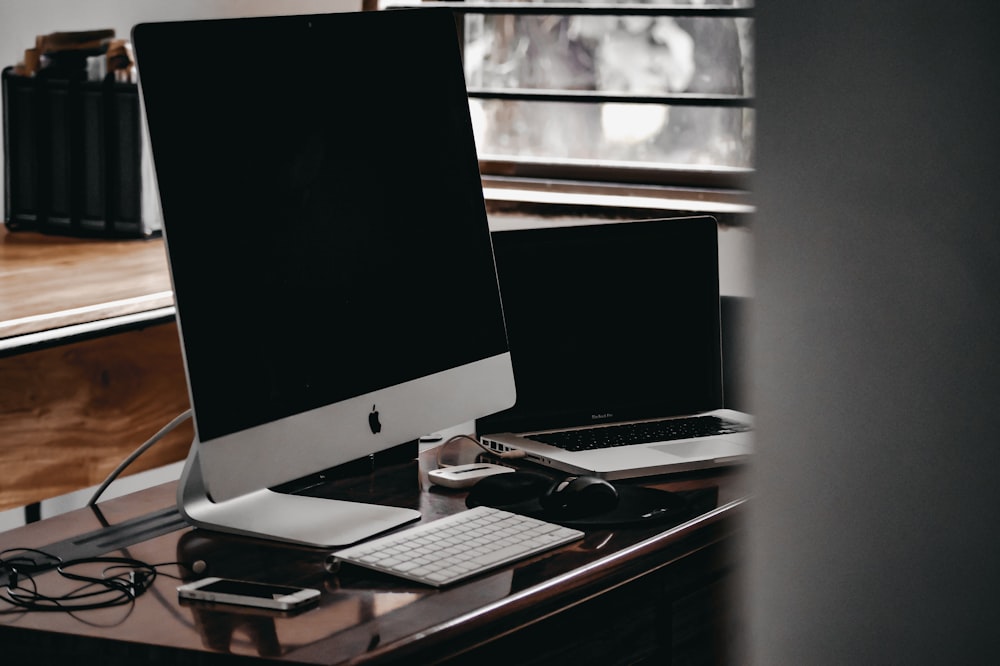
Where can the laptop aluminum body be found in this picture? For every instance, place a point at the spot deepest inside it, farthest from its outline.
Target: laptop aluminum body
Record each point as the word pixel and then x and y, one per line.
pixel 615 323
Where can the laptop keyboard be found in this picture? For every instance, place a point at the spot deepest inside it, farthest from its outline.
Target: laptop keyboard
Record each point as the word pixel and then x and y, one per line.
pixel 603 437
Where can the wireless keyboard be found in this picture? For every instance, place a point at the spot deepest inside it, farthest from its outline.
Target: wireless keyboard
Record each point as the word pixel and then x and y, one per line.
pixel 459 546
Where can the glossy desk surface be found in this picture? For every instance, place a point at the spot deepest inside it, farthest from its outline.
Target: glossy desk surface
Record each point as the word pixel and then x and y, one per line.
pixel 363 617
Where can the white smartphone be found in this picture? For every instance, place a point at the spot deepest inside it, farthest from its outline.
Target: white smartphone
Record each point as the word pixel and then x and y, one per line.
pixel 247 593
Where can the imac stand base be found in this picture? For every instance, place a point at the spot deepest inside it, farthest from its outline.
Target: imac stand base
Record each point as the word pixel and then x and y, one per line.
pixel 265 514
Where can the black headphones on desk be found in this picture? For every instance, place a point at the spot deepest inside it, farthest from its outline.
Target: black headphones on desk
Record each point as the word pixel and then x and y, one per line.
pixel 121 581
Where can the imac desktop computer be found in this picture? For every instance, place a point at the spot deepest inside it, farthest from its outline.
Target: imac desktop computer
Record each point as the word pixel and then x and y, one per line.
pixel 329 251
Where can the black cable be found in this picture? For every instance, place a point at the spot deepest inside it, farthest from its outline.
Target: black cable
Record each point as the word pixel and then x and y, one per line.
pixel 119 583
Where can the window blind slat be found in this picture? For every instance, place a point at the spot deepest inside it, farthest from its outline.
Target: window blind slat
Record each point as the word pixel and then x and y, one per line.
pixel 611 9
pixel 591 97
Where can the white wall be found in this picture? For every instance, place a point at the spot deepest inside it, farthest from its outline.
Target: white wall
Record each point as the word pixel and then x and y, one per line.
pixel 736 261
pixel 22 20
pixel 876 356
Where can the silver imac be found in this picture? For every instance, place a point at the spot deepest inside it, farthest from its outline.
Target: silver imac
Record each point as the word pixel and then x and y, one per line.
pixel 329 250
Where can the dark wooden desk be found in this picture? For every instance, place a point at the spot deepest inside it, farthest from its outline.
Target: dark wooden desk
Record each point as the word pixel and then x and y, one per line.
pixel 650 595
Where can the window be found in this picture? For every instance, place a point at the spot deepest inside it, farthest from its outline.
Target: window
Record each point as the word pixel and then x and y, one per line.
pixel 646 94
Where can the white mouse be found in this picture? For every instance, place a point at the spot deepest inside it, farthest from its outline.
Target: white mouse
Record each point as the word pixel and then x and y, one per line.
pixel 464 476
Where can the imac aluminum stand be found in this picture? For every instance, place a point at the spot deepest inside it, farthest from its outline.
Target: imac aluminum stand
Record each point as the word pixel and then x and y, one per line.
pixel 307 521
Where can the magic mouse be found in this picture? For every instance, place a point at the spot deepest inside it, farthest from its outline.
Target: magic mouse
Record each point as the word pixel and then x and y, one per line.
pixel 579 496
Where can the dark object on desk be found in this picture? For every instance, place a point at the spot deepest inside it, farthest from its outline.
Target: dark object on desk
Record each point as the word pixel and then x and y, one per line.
pixel 580 496
pixel 508 490
pixel 523 492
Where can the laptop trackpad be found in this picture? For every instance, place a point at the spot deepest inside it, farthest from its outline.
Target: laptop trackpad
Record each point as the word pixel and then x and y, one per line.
pixel 707 449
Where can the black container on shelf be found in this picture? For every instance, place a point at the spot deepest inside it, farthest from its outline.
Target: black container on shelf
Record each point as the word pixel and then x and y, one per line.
pixel 75 158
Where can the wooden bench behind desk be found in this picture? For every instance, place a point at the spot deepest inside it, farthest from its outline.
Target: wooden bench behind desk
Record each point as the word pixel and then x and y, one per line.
pixel 90 362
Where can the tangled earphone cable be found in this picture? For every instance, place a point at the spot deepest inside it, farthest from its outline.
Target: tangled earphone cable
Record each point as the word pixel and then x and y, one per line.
pixel 120 582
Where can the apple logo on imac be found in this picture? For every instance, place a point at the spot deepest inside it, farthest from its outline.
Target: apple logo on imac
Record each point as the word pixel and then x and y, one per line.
pixel 373 421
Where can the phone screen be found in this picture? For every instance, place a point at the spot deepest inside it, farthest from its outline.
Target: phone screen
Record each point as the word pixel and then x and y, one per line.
pixel 249 589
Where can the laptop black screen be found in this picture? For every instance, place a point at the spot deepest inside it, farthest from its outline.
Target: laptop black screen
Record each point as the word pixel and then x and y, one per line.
pixel 610 322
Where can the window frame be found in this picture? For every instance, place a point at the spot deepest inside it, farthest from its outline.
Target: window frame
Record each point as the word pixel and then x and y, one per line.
pixel 580 187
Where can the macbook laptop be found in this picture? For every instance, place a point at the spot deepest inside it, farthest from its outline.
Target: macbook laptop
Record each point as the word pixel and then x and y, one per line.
pixel 615 337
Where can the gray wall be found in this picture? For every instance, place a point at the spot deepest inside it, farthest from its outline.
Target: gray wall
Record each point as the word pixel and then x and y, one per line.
pixel 876 374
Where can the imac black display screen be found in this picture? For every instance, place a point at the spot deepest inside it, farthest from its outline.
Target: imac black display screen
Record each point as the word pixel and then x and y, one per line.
pixel 323 208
